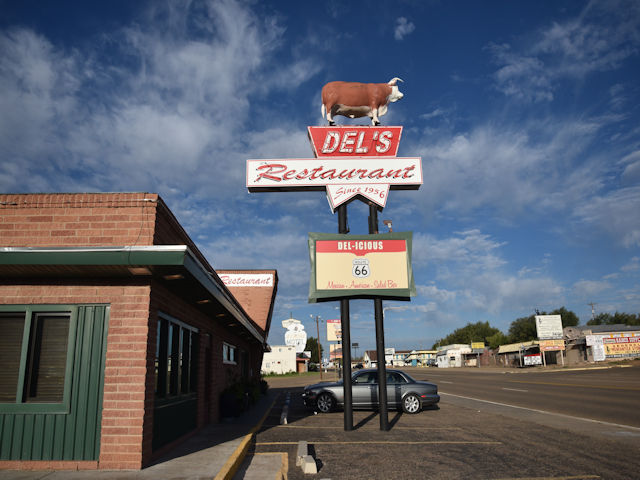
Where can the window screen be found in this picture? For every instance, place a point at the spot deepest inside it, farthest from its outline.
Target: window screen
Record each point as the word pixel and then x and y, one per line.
pixel 12 327
pixel 47 358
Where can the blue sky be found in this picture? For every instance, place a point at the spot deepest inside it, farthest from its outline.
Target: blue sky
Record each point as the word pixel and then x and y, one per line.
pixel 526 116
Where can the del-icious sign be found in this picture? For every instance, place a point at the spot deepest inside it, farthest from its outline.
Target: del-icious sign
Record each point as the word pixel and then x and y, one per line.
pixel 360 265
pixel 348 161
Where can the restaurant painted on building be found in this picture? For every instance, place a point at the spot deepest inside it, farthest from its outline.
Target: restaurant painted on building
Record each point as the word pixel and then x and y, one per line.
pixel 117 336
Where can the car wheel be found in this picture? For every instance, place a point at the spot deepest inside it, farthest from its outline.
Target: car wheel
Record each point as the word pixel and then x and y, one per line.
pixel 411 404
pixel 325 403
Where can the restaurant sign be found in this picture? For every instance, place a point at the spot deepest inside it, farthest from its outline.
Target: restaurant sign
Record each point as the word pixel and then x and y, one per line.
pixel 355 141
pixel 360 266
pixel 349 161
pixel 247 279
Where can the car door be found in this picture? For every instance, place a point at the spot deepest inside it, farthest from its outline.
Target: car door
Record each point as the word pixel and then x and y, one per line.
pixel 364 388
pixel 395 381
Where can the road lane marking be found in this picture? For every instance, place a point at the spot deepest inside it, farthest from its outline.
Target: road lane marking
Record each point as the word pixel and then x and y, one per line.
pixel 444 381
pixel 617 425
pixel 605 387
pixel 514 389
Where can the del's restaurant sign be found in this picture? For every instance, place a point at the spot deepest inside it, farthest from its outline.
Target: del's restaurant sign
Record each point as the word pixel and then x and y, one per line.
pixel 348 161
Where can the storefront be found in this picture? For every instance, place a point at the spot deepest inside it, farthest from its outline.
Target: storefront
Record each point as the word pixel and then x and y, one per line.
pixel 117 335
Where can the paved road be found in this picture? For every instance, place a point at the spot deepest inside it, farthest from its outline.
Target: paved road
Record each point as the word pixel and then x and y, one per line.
pixel 608 395
pixel 466 438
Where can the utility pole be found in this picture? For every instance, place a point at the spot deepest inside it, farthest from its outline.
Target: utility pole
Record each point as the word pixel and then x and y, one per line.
pixel 593 310
pixel 319 346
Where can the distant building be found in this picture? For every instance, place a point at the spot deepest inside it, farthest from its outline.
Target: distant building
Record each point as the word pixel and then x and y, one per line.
pixel 597 343
pixel 370 358
pixel 452 355
pixel 421 358
pixel 399 357
pixel 281 359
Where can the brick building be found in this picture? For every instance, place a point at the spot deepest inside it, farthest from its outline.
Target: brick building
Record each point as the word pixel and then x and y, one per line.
pixel 116 335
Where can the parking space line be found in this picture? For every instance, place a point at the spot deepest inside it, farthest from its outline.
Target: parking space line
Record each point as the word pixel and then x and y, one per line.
pixel 373 442
pixel 514 389
pixel 571 477
pixel 341 427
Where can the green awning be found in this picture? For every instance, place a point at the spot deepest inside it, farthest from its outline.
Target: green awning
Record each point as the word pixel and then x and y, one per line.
pixel 158 260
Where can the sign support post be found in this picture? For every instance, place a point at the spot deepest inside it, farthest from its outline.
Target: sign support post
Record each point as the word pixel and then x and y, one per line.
pixel 346 337
pixel 352 162
pixel 379 318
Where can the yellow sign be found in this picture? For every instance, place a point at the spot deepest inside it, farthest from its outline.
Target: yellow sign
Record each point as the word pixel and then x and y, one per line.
pixel 615 347
pixel 549 345
pixel 360 265
pixel 478 345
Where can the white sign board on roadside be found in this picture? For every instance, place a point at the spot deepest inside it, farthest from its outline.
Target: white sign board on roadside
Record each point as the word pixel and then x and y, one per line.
pixel 334 330
pixel 549 327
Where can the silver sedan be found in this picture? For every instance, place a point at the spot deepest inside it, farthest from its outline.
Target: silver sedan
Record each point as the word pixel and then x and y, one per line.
pixel 402 392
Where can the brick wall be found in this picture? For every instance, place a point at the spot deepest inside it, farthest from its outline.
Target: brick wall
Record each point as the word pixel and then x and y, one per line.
pixel 212 336
pixel 73 219
pixel 118 219
pixel 126 362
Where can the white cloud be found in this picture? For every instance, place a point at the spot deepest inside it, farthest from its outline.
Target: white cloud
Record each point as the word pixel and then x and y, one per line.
pixel 587 289
pixel 403 28
pixel 173 119
pixel 632 266
pixel 615 212
pixel 599 39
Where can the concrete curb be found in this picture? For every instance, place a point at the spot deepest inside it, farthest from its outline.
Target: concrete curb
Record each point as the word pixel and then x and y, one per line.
pixel 231 466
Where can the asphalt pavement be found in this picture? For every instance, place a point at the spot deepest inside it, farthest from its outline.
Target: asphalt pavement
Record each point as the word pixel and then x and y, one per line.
pixel 462 438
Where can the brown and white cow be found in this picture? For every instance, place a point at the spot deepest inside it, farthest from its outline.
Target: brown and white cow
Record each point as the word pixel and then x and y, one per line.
pixel 354 100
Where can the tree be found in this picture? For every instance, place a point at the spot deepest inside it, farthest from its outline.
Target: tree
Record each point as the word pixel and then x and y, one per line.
pixel 312 345
pixel 494 341
pixel 472 332
pixel 615 319
pixel 523 329
pixel 569 319
pixel 601 319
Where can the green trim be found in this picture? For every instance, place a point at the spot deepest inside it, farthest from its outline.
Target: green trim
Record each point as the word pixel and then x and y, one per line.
pixel 157 255
pixel 19 406
pixel 321 295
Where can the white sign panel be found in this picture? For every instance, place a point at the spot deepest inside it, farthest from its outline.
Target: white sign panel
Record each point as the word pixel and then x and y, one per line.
pixel 295 335
pixel 334 330
pixel 549 327
pixel 342 177
pixel 247 279
pixel 532 360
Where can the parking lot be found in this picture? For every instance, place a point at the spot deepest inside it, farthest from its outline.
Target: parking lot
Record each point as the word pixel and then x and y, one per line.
pixel 460 439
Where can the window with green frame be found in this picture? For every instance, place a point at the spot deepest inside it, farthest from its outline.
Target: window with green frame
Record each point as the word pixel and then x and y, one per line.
pixel 176 363
pixel 34 355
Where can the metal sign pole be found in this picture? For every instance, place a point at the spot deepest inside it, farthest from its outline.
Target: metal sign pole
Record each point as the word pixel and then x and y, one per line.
pixel 379 317
pixel 346 337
